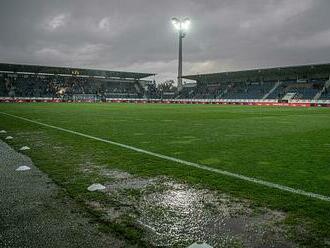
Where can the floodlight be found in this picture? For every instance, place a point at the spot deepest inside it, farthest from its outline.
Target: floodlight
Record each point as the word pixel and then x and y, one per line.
pixel 175 20
pixel 185 24
pixel 176 23
pixel 182 25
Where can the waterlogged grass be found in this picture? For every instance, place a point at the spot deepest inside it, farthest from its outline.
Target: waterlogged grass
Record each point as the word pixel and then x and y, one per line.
pixel 288 146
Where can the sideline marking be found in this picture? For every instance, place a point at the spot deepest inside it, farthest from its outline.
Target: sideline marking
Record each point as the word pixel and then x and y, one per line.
pixel 180 161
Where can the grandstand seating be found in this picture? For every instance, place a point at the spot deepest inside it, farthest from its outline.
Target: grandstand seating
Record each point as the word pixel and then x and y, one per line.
pixel 64 82
pixel 3 90
pixel 56 86
pixel 325 92
pixel 325 95
pixel 306 81
pixel 274 83
pixel 303 90
pixel 250 90
pixel 256 90
pixel 187 91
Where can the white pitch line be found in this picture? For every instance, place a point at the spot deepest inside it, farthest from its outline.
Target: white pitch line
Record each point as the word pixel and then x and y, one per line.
pixel 180 161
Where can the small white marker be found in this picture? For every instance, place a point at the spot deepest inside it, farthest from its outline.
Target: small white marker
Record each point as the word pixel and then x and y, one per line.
pixel 3 131
pixel 9 137
pixel 95 187
pixel 200 245
pixel 24 148
pixel 23 168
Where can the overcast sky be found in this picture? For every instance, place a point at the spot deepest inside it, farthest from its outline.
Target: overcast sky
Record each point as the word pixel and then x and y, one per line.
pixel 137 35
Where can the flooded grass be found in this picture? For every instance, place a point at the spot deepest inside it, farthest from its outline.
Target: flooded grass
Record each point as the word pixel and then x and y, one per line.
pixel 176 214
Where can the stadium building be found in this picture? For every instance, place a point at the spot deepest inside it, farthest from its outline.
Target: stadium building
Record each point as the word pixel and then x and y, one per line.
pixel 32 81
pixel 307 82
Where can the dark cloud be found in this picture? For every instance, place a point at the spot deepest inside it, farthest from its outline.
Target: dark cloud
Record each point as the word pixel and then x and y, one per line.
pixel 137 35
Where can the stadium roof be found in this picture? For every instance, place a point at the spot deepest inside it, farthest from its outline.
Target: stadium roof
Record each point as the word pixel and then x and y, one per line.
pixel 51 70
pixel 276 73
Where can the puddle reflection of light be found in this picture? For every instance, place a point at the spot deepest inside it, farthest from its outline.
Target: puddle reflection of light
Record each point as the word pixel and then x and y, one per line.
pixel 179 199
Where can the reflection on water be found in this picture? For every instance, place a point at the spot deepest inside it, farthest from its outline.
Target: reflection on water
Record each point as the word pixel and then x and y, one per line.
pixel 180 215
pixel 174 214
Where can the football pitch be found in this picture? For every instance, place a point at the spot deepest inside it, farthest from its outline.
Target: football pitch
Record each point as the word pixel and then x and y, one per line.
pixel 277 157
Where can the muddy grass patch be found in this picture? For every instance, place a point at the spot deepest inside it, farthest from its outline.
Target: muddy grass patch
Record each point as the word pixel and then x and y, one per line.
pixel 175 214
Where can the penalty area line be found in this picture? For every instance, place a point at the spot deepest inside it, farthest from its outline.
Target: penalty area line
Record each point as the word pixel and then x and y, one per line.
pixel 184 162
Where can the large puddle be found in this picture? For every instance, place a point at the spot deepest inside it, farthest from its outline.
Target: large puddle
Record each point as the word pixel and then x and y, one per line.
pixel 175 214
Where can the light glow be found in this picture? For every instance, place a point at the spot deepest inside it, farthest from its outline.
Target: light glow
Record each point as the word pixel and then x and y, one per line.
pixel 176 23
pixel 181 24
pixel 185 24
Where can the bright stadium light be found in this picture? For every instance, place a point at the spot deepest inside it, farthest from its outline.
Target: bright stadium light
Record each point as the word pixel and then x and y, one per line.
pixel 176 23
pixel 185 24
pixel 182 26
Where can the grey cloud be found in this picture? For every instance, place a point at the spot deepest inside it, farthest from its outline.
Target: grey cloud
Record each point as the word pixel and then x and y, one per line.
pixel 137 35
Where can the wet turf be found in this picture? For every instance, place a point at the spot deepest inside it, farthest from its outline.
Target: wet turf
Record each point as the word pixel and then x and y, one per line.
pixel 288 146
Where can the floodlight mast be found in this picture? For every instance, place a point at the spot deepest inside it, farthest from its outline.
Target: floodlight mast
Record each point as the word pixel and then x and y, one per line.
pixel 182 26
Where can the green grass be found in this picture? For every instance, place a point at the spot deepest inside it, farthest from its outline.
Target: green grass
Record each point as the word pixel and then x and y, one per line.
pixel 288 146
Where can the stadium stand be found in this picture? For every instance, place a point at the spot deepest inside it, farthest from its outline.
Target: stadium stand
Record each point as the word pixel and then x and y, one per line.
pixel 325 92
pixel 306 82
pixel 69 83
pixel 309 82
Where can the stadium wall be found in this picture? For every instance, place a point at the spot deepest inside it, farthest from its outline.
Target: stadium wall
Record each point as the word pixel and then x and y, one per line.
pixel 243 102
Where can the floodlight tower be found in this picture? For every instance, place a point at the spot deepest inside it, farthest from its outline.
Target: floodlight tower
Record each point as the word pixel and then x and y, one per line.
pixel 182 26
